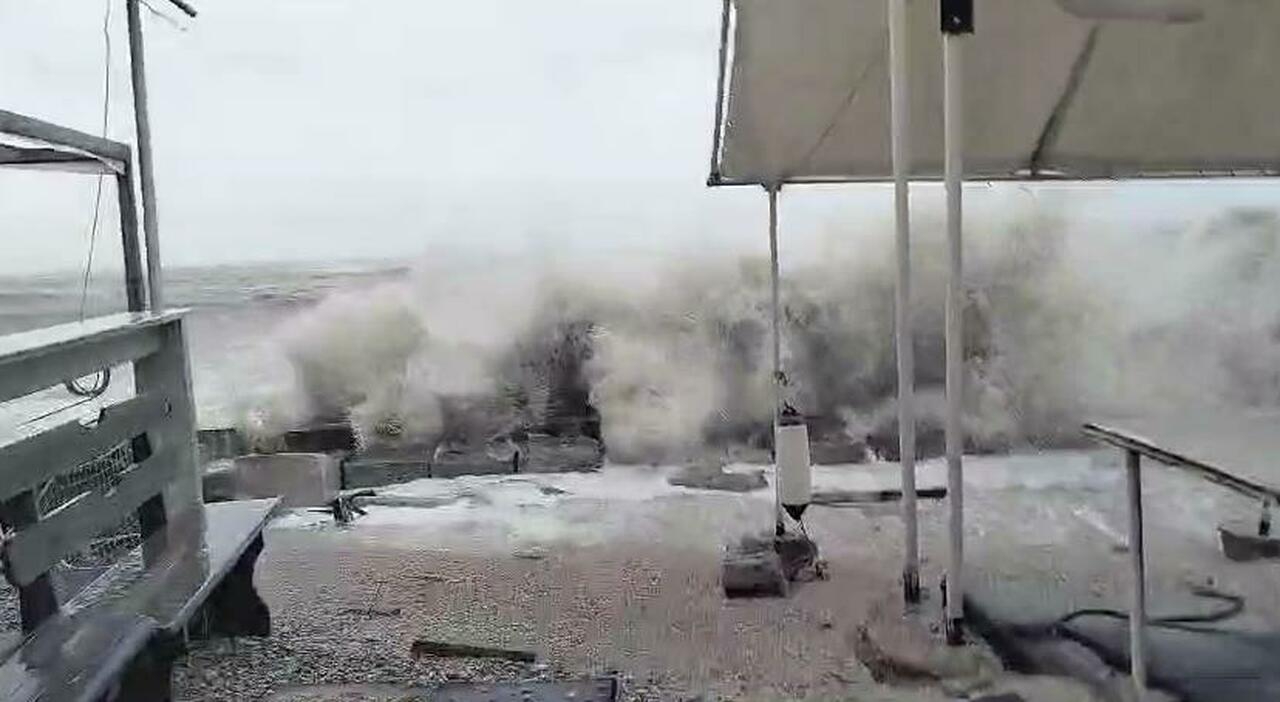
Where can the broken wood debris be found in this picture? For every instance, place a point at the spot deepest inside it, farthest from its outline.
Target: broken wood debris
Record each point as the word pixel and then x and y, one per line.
pixel 444 649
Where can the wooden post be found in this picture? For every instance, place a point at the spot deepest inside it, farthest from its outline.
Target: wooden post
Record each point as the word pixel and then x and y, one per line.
pixel 1137 562
pixel 146 172
pixel 134 284
pixel 37 600
pixel 167 374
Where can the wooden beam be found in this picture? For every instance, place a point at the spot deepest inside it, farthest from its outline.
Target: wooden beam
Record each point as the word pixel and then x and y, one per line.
pixel 54 360
pixel 146 172
pixel 32 551
pixel 31 461
pixel 32 128
pixel 135 285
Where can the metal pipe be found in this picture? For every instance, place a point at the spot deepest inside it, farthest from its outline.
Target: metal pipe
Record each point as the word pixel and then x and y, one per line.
pixel 900 124
pixel 137 70
pixel 718 127
pixel 1137 562
pixel 953 101
pixel 775 307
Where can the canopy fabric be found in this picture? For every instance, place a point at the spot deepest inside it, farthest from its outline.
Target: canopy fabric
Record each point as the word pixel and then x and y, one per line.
pixel 1048 94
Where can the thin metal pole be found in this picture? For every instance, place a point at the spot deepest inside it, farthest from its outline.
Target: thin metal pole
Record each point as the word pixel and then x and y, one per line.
pixel 953 101
pixel 718 127
pixel 775 310
pixel 1137 561
pixel 137 69
pixel 901 143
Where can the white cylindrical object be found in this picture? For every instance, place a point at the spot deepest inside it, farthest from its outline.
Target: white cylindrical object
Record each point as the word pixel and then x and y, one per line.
pixel 795 479
pixel 953 130
pixel 901 143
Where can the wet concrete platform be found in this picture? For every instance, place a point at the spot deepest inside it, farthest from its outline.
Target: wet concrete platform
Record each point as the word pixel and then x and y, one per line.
pixel 1048 580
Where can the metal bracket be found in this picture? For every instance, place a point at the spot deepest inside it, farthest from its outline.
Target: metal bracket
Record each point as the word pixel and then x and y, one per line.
pixel 957 16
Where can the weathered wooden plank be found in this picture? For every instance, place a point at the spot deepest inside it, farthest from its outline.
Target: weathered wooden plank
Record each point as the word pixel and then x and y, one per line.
pixel 195 552
pixel 168 374
pixel 26 463
pixel 45 159
pixel 32 128
pixel 34 550
pixel 76 658
pixel 134 283
pixel 38 359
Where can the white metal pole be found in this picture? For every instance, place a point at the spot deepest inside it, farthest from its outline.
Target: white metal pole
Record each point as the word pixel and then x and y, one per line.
pixel 901 143
pixel 953 102
pixel 1138 614
pixel 137 67
pixel 775 309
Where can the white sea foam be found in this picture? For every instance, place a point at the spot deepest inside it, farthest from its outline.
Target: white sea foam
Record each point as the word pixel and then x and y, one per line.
pixel 1060 321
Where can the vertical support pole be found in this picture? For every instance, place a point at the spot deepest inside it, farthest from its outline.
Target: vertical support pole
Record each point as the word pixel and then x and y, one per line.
pixel 1137 562
pixel 135 285
pixel 901 146
pixel 957 21
pixel 775 310
pixel 137 69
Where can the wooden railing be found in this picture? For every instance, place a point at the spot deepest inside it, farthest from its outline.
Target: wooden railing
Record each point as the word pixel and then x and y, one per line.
pixel 157 425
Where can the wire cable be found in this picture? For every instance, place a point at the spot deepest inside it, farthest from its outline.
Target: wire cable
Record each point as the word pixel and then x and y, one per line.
pixel 102 378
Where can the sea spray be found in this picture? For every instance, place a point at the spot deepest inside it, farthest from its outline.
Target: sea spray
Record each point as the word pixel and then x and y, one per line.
pixel 666 360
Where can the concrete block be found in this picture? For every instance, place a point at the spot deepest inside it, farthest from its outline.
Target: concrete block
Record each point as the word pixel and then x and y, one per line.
pixel 321 438
pixel 562 454
pixel 452 460
pixel 220 481
pixel 376 471
pixel 301 479
pixel 829 452
pixel 710 475
pixel 217 444
pixel 756 574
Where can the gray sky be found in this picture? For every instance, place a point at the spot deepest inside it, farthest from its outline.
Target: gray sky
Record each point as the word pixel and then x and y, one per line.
pixel 312 129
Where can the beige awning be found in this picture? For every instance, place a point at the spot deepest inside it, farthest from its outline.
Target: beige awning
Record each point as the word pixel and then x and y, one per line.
pixel 1048 94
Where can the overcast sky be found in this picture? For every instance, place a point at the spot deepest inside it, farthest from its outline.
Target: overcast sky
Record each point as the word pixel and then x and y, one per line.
pixel 325 129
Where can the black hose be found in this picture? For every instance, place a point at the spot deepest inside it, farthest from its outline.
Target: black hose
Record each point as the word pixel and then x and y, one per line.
pixel 1182 622
pixel 1235 605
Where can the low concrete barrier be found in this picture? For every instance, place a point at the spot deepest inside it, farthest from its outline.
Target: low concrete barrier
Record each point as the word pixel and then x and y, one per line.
pixel 300 479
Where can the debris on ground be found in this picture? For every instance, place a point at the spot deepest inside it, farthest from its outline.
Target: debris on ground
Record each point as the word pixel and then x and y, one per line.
pixel 444 649
pixel 762 565
pixel 711 475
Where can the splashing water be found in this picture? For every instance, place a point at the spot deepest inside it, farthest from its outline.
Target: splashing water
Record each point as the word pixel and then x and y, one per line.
pixel 673 359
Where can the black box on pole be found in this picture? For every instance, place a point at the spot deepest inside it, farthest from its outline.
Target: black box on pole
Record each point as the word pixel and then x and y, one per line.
pixel 957 16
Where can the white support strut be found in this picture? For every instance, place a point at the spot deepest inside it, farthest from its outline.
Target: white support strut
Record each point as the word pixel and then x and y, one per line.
pixel 901 147
pixel 775 309
pixel 953 101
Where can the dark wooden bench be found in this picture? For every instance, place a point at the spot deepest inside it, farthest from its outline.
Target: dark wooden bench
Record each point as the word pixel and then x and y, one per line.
pixel 191 575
